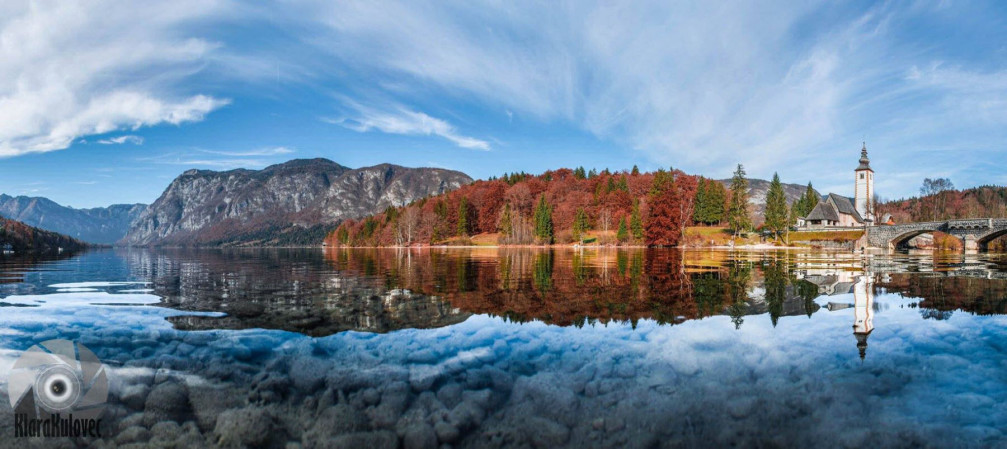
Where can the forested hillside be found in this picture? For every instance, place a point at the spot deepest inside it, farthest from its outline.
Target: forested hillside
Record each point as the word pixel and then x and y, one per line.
pixel 976 202
pixel 20 238
pixel 557 206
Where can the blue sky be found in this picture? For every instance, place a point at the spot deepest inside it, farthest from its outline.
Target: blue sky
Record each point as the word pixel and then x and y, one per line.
pixel 106 101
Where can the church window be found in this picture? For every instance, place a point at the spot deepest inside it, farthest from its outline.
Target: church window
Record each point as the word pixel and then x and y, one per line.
pixel 861 176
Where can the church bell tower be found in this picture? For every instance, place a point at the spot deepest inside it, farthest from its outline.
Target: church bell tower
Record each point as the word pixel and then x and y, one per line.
pixel 864 198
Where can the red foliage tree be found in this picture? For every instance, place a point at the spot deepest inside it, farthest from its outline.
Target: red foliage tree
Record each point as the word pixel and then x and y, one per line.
pixel 664 222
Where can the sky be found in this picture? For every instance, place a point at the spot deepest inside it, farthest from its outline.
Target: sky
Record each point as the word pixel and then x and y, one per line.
pixel 106 101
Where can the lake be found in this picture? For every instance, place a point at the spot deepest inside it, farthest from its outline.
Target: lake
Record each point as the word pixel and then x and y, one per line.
pixel 524 348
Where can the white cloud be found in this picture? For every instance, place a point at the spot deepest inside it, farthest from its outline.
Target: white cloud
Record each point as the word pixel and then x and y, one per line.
pixel 404 121
pixel 78 68
pixel 119 140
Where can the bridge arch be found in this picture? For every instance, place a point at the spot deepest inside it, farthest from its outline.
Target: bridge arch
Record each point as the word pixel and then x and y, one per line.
pixel 985 240
pixel 901 240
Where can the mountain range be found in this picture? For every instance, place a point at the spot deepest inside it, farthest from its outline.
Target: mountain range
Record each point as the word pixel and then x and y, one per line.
pixel 292 203
pixel 102 225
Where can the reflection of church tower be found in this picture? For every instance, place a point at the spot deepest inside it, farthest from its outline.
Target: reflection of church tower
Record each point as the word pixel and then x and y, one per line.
pixel 864 197
pixel 863 312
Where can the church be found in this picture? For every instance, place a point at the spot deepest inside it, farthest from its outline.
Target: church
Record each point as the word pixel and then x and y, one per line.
pixel 841 211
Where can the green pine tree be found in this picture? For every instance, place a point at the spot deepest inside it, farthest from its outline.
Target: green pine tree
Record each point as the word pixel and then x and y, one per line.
pixel 463 217
pixel 543 221
pixel 776 206
pixel 699 208
pixel 635 222
pixel 623 184
pixel 811 200
pixel 623 233
pixel 636 170
pixel 716 196
pixel 737 215
pixel 581 224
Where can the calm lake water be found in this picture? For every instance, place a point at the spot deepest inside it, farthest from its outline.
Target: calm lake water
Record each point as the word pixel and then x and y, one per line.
pixel 524 348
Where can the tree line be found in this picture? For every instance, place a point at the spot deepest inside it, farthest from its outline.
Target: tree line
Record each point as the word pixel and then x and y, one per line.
pixel 575 205
pixel 559 206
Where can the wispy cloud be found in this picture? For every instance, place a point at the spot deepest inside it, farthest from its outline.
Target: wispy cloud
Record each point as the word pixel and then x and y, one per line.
pixel 87 68
pixel 119 140
pixel 220 159
pixel 404 121
pixel 699 85
pixel 270 151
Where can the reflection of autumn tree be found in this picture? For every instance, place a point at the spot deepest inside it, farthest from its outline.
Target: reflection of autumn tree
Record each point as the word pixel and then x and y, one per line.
pixel 669 288
pixel 577 287
pixel 938 292
pixel 558 287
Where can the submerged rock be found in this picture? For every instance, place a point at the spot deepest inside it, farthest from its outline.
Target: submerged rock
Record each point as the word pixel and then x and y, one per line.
pixel 167 401
pixel 245 427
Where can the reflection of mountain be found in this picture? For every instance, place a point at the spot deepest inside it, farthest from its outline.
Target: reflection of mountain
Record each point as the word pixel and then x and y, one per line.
pixel 941 292
pixel 291 290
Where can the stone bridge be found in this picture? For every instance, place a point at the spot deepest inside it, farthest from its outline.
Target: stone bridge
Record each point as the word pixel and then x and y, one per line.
pixel 974 233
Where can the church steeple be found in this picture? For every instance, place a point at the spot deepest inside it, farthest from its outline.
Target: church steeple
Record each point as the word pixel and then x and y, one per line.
pixel 863 200
pixel 865 163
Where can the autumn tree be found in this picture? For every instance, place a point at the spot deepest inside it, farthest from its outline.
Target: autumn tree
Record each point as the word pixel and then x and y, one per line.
pixel 776 206
pixel 506 225
pixel 605 221
pixel 738 217
pixel 932 192
pixel 407 223
pixel 489 206
pixel 662 227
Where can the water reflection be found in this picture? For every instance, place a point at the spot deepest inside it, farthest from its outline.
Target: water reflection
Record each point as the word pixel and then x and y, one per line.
pixel 381 290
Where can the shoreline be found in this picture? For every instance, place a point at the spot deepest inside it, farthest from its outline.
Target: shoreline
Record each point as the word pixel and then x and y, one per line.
pixel 761 246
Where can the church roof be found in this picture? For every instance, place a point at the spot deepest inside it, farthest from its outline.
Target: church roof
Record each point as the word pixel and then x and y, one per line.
pixel 823 211
pixel 845 205
pixel 832 207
